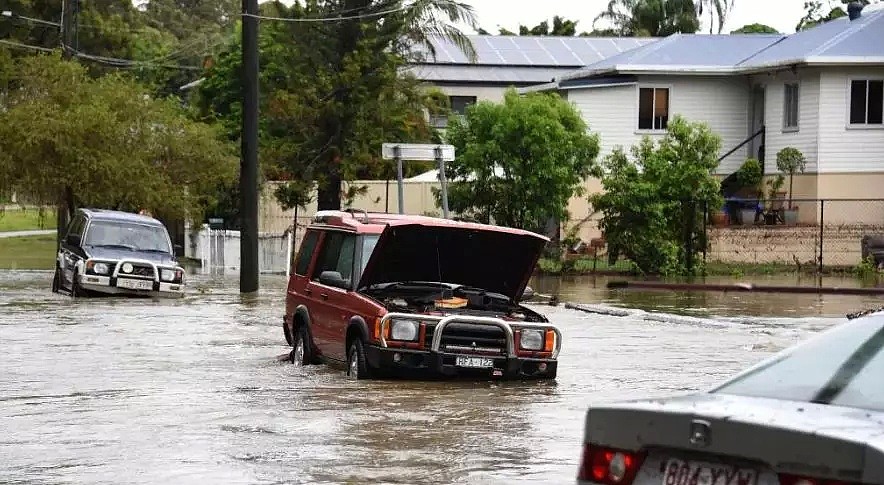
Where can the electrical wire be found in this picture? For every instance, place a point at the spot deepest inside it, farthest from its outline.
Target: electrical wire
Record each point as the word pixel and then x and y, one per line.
pixel 24 46
pixel 7 13
pixel 327 19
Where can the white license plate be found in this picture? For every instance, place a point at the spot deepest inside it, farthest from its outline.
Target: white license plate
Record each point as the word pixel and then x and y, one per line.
pixel 135 284
pixel 474 362
pixel 679 472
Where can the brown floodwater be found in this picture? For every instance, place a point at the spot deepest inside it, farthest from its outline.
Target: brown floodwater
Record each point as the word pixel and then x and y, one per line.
pixel 192 391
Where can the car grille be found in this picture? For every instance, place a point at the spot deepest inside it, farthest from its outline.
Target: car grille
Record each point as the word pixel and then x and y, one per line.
pixel 470 338
pixel 142 270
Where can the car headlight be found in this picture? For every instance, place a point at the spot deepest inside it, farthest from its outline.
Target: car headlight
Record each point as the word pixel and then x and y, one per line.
pixel 403 330
pixel 532 339
pixel 167 275
pixel 101 268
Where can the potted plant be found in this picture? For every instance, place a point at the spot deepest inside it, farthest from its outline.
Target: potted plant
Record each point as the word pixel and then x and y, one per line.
pixel 789 161
pixel 774 199
pixel 749 177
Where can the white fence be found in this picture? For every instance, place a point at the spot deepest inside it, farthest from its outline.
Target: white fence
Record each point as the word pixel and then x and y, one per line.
pixel 218 250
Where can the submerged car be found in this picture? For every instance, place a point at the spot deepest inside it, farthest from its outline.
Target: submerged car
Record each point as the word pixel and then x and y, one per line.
pixel 810 415
pixel 393 295
pixel 117 253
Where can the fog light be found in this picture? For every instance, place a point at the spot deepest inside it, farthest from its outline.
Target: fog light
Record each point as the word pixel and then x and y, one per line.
pixel 127 268
pixel 541 367
pixel 397 357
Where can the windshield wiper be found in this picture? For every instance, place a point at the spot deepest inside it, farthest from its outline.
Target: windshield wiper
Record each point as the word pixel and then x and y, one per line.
pixel 130 248
pixel 399 284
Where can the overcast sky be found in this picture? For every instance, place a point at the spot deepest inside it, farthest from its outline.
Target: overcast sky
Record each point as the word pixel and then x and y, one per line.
pixel 782 15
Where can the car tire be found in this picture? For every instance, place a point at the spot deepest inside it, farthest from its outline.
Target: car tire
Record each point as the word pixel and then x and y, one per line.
pixel 76 291
pixel 56 280
pixel 301 347
pixel 357 367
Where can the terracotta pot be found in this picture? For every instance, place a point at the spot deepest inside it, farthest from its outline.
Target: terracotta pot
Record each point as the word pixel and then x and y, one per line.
pixel 719 219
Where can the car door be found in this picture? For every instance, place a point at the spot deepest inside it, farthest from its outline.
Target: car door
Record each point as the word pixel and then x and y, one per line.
pixel 337 253
pixel 71 250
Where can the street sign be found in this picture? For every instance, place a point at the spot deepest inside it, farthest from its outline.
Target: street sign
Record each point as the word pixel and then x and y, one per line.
pixel 417 151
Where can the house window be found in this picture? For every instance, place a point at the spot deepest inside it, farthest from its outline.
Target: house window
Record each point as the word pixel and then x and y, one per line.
pixel 790 107
pixel 867 102
pixel 653 108
pixel 459 104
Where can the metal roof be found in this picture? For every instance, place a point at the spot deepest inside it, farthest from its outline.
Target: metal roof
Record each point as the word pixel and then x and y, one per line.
pixel 487 74
pixel 840 40
pixel 684 52
pixel 545 51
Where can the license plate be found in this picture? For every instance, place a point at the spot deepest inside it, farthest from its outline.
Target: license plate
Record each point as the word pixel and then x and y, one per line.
pixel 679 472
pixel 135 284
pixel 474 362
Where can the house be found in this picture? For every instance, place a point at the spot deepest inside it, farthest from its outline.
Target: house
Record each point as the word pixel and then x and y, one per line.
pixel 509 61
pixel 820 90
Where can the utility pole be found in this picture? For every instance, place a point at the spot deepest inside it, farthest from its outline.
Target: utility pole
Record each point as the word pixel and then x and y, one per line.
pixel 248 177
pixel 67 33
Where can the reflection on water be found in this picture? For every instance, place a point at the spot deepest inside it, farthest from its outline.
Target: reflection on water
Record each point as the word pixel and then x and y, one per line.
pixel 593 289
pixel 191 391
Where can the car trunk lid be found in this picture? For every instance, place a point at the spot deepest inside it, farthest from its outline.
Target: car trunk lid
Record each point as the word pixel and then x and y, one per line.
pixel 791 437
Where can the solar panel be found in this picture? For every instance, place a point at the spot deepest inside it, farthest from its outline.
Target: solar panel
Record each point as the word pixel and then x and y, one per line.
pixel 561 53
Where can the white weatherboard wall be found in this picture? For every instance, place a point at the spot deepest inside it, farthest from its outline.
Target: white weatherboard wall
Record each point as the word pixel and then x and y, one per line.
pixel 776 138
pixel 482 93
pixel 844 149
pixel 722 102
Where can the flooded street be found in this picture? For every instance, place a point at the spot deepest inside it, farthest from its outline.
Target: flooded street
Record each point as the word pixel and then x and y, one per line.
pixel 191 391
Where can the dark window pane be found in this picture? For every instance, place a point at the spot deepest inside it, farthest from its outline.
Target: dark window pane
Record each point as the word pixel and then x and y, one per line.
pixel 790 106
pixel 645 109
pixel 876 102
pixel 368 245
pixel 661 109
pixel 858 102
pixel 306 252
pixel 329 252
pixel 459 104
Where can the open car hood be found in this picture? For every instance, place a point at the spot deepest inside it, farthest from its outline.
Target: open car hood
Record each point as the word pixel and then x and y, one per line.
pixel 495 259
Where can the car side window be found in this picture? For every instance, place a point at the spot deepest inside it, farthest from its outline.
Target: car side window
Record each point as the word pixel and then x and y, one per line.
pixel 305 255
pixel 76 227
pixel 336 254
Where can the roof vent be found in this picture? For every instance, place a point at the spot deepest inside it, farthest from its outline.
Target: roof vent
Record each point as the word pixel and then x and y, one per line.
pixel 854 10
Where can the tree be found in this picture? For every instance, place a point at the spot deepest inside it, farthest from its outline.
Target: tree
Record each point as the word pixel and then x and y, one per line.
pixel 822 11
pixel 654 18
pixel 789 161
pixel 755 29
pixel 718 12
pixel 334 91
pixel 105 143
pixel 652 205
pixel 539 144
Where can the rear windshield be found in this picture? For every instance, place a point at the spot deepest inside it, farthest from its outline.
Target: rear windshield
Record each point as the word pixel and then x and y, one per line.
pixel 843 366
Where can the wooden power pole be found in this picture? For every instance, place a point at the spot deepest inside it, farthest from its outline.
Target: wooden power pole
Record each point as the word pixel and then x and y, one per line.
pixel 248 178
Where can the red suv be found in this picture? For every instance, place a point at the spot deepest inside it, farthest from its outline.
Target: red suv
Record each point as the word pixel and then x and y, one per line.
pixel 393 295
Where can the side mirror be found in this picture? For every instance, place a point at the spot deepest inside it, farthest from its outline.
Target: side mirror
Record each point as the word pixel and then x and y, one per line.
pixel 528 293
pixel 333 279
pixel 178 247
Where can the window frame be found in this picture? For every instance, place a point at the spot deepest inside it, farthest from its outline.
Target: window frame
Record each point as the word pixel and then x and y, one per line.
pixel 787 128
pixel 314 270
pixel 475 99
pixel 638 107
pixel 849 101
pixel 301 253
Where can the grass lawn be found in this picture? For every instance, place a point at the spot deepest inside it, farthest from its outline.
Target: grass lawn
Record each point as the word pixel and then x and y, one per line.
pixel 15 219
pixel 32 252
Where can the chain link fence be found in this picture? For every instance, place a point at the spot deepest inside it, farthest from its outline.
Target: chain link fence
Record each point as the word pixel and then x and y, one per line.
pixel 818 234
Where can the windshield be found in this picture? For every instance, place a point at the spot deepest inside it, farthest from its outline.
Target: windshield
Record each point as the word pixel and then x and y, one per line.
pixel 843 366
pixel 134 236
pixel 368 244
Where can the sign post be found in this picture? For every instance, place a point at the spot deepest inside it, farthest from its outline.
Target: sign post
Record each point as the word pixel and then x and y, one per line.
pixel 419 152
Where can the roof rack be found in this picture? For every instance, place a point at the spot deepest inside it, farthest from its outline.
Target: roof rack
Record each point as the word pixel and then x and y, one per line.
pixel 351 211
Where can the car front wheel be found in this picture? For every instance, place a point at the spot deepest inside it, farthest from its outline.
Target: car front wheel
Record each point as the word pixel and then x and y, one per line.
pixel 300 354
pixel 357 367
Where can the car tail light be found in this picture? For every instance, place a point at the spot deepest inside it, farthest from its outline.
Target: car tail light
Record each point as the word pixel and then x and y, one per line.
pixel 786 479
pixel 609 466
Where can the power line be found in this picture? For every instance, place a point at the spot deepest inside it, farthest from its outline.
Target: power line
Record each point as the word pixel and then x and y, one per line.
pixel 328 19
pixel 7 13
pixel 24 46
